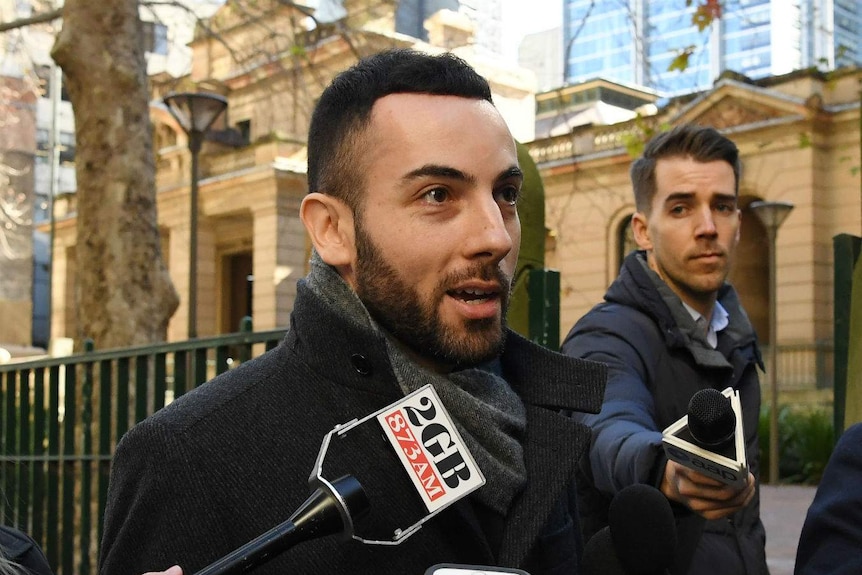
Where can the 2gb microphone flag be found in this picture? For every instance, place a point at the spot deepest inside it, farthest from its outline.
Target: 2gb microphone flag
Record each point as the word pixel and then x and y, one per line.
pixel 431 449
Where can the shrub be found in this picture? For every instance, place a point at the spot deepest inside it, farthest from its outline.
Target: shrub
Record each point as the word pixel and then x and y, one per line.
pixel 805 441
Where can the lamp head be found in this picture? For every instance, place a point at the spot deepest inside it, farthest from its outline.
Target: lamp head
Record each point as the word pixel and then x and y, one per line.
pixel 195 111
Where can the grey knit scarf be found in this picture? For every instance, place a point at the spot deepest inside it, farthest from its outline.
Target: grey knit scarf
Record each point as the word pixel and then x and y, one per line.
pixel 487 412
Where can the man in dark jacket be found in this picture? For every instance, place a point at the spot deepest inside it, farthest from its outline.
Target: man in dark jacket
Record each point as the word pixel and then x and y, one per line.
pixel 20 555
pixel 831 537
pixel 412 212
pixel 670 326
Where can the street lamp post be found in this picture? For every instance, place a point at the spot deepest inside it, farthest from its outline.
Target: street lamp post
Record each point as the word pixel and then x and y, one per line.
pixel 195 112
pixel 772 215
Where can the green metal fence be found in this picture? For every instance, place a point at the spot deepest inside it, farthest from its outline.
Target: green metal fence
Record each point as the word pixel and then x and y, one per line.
pixel 62 418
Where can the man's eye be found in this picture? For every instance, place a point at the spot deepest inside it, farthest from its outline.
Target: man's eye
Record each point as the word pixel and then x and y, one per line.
pixel 436 195
pixel 508 195
pixel 677 210
pixel 726 208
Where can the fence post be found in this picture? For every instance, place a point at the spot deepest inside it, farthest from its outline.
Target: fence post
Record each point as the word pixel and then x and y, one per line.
pixel 543 287
pixel 846 250
pixel 86 465
pixel 245 326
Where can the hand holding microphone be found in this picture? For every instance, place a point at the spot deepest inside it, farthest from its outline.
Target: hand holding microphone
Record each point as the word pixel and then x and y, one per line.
pixel 707 469
pixel 707 497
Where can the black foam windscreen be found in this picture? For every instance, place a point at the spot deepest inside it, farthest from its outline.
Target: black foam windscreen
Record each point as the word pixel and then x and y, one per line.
pixel 643 530
pixel 711 420
pixel 600 557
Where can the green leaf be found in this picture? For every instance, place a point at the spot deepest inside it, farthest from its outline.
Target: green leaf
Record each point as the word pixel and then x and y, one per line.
pixel 681 61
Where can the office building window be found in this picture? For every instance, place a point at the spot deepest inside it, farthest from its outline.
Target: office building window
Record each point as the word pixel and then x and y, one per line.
pixel 155 38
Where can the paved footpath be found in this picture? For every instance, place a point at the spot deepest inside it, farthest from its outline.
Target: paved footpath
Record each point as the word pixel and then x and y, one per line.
pixel 783 509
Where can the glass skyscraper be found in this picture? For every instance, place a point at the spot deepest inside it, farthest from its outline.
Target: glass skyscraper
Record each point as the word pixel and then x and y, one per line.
pixel 635 41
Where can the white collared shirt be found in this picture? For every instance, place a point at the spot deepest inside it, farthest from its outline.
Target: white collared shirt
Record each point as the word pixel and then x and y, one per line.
pixel 720 319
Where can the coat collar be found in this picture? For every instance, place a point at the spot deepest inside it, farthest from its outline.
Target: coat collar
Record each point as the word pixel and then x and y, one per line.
pixel 635 288
pixel 360 360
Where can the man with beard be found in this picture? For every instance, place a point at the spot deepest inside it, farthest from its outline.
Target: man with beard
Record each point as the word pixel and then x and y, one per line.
pixel 412 211
pixel 670 326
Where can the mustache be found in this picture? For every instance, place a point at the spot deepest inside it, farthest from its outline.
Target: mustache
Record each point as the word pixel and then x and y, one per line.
pixel 481 271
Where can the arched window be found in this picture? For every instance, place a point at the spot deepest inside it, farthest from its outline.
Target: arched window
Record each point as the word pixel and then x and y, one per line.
pixel 625 239
pixel 750 271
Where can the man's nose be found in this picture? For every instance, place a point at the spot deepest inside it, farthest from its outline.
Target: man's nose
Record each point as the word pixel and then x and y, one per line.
pixel 706 223
pixel 488 232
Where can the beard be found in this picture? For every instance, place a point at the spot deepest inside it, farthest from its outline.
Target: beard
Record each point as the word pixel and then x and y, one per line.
pixel 399 308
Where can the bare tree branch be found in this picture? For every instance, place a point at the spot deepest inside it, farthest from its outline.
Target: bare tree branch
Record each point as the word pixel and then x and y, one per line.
pixel 37 19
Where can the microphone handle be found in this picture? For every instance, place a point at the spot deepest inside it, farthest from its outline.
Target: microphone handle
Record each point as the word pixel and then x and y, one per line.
pixel 322 514
pixel 255 552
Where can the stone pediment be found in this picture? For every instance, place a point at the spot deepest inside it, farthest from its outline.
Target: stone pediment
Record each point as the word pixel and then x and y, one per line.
pixel 731 104
pixel 731 112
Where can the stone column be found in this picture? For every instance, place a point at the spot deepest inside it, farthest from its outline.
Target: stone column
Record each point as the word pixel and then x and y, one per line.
pixel 279 259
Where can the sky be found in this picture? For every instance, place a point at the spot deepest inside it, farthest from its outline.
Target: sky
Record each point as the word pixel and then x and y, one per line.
pixel 522 17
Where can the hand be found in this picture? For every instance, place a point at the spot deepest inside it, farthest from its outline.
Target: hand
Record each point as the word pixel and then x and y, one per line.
pixel 175 570
pixel 704 495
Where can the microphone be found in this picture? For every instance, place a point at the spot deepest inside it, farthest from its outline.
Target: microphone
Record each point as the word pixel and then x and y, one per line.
pixel 710 438
pixel 329 510
pixel 600 556
pixel 640 538
pixel 428 447
pixel 711 420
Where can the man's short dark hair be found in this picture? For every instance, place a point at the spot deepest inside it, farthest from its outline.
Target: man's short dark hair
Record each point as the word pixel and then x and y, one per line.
pixel 700 143
pixel 335 145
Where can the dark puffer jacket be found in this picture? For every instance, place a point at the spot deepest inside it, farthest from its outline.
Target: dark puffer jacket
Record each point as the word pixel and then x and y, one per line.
pixel 19 548
pixel 655 364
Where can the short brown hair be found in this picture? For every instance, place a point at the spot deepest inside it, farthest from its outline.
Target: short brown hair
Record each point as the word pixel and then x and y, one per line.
pixel 700 143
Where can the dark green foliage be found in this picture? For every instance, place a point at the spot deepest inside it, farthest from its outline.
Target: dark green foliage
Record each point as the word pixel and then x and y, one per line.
pixel 806 438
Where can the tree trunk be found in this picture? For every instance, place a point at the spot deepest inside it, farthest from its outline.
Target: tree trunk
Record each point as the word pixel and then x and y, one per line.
pixel 123 292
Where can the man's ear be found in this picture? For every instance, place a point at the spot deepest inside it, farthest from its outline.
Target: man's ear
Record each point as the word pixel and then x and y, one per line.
pixel 329 222
pixel 640 229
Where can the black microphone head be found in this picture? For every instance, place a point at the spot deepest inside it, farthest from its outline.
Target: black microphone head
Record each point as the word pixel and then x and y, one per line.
pixel 711 420
pixel 600 557
pixel 643 530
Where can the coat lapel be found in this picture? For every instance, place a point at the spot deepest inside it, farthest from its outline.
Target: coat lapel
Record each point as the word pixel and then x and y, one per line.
pixel 552 448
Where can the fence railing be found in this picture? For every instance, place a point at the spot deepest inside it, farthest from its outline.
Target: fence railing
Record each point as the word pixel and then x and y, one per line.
pixel 62 418
pixel 805 366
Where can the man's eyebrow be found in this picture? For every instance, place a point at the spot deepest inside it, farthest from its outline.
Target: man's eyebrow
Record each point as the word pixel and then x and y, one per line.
pixel 513 172
pixel 725 197
pixel 437 171
pixel 677 196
